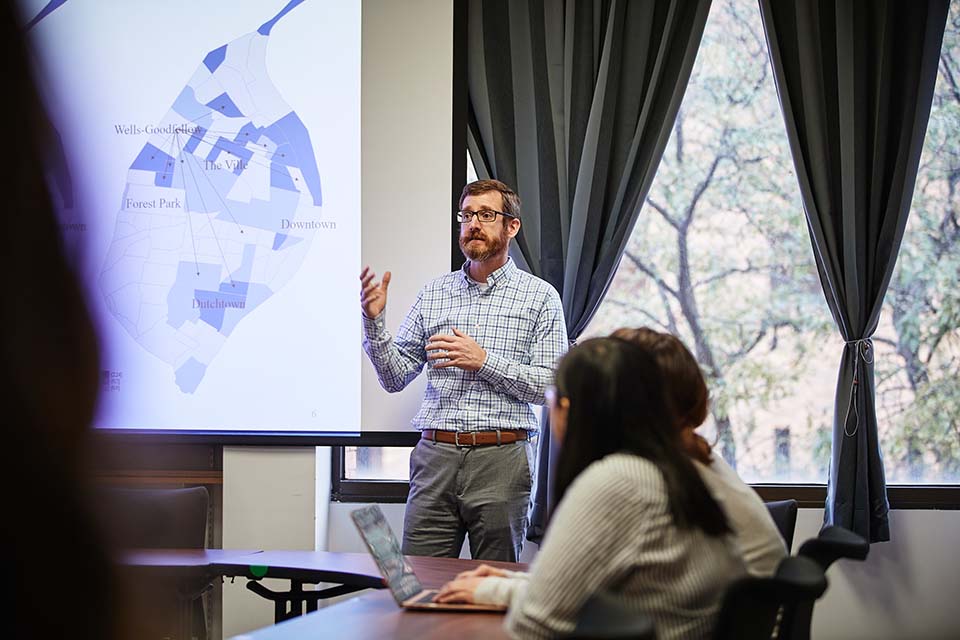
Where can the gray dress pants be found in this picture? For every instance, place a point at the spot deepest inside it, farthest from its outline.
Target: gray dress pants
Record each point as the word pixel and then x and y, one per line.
pixel 481 491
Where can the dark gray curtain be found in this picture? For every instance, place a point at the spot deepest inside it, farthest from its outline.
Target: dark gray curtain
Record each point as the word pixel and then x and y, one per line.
pixel 572 104
pixel 855 80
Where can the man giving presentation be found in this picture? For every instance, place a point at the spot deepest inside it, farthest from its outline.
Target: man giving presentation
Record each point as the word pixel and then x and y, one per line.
pixel 489 335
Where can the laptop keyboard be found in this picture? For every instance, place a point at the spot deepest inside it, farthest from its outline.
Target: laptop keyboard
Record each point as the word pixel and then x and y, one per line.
pixel 426 596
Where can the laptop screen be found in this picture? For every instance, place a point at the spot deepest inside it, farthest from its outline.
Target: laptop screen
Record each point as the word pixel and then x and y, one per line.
pixel 385 549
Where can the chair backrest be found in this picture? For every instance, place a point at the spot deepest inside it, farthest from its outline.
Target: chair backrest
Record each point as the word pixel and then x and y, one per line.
pixel 832 544
pixel 751 604
pixel 156 518
pixel 605 618
pixel 784 514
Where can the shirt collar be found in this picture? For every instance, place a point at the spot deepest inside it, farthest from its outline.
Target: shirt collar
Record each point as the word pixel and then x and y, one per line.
pixel 501 275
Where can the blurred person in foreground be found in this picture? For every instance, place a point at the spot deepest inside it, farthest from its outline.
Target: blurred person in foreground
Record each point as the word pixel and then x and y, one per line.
pixel 688 400
pixel 634 519
pixel 65 585
pixel 49 374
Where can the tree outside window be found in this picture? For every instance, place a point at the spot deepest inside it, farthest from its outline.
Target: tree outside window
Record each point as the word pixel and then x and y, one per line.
pixel 722 258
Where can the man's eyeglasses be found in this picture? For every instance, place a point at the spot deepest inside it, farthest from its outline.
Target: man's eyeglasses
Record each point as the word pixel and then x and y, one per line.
pixel 484 215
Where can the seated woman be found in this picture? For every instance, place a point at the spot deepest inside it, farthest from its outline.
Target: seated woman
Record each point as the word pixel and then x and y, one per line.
pixel 634 519
pixel 687 398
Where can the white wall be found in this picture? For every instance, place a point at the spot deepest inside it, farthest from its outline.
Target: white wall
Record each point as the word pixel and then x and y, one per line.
pixel 906 588
pixel 270 501
pixel 406 136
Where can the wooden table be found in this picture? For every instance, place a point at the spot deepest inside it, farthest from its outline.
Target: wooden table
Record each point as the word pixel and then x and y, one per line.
pixel 377 615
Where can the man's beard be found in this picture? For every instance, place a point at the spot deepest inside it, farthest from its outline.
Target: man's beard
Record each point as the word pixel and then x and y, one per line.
pixel 491 245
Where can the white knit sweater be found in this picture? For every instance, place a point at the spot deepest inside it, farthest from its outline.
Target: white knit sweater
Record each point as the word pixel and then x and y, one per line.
pixel 613 533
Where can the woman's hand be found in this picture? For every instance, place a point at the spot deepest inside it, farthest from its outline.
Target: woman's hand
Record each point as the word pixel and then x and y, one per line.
pixel 460 590
pixel 482 571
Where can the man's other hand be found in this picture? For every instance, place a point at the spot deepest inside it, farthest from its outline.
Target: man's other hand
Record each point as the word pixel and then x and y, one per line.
pixel 458 350
pixel 373 295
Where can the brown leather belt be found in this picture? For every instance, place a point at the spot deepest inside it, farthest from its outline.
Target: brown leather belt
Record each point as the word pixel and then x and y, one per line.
pixel 475 438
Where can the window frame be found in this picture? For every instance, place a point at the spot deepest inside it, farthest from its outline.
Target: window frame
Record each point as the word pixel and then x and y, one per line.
pixel 343 489
pixel 808 496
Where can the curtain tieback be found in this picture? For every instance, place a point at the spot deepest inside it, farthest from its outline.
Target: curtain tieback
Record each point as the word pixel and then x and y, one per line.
pixel 864 351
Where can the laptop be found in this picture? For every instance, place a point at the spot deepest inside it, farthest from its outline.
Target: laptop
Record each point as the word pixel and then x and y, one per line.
pixel 396 571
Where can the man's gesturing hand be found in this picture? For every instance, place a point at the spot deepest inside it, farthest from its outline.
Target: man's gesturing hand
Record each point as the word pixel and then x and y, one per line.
pixel 458 350
pixel 373 295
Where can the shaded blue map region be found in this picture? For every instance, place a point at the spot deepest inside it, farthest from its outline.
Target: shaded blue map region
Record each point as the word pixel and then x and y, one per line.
pixel 281 178
pixel 248 133
pixel 180 298
pixel 202 188
pixel 195 139
pixel 190 374
pixel 257 294
pixel 264 29
pixel 294 149
pixel 226 106
pixel 53 5
pixel 246 266
pixel 224 145
pixel 186 105
pixel 205 298
pixel 153 159
pixel 263 214
pixel 215 58
pixel 218 302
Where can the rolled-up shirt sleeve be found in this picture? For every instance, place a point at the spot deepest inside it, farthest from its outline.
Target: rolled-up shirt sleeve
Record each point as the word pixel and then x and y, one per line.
pixel 398 360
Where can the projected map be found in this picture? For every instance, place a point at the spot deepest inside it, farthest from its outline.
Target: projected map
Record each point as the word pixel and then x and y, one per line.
pixel 219 208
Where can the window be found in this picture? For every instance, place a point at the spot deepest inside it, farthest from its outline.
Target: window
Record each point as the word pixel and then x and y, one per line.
pixel 918 340
pixel 375 470
pixel 721 257
pixel 376 463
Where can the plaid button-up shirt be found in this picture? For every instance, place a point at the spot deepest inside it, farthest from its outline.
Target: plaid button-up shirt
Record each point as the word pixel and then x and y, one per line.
pixel 518 320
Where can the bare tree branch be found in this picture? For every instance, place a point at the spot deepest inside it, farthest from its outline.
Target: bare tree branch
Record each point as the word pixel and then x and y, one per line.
pixel 945 60
pixel 726 273
pixel 702 187
pixel 886 341
pixel 633 307
pixel 639 264
pixel 662 210
pixel 671 319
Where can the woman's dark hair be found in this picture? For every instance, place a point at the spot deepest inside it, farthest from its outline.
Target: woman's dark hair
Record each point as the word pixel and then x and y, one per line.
pixel 617 406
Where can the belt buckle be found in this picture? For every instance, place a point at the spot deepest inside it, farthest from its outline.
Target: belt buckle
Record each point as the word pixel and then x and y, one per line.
pixel 456 439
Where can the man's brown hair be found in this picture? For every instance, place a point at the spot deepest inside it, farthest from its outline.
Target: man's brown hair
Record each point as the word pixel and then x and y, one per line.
pixel 511 201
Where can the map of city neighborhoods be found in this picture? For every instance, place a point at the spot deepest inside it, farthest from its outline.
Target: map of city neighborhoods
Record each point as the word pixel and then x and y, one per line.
pixel 218 212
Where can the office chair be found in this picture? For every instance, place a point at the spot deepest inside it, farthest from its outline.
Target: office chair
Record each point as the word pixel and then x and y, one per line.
pixel 157 518
pixel 751 605
pixel 784 514
pixel 832 544
pixel 604 618
pixel 164 519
